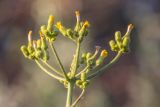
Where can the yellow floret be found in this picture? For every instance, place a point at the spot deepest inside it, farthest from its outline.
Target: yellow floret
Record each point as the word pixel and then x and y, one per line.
pixel 59 25
pixel 51 19
pixel 104 53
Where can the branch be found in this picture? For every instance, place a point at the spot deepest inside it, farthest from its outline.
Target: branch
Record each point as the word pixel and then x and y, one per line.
pixel 52 68
pixel 78 99
pixel 58 60
pixel 47 72
pixel 100 71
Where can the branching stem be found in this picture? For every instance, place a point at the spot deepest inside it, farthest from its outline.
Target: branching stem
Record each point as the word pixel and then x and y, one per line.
pixel 58 60
pixel 100 71
pixel 47 72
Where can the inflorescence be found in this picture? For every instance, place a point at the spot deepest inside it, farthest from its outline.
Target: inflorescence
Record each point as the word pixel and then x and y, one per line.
pixel 37 50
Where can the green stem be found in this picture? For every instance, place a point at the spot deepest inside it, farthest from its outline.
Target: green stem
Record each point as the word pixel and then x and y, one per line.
pixel 77 59
pixel 58 60
pixel 69 94
pixel 52 68
pixel 47 72
pixel 100 71
pixel 78 99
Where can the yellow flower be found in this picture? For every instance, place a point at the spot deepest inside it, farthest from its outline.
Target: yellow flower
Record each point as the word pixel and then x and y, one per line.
pixel 51 19
pixel 86 24
pixel 104 53
pixel 59 25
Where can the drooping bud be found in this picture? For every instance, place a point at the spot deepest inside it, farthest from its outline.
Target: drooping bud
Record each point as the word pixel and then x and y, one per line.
pixel 24 50
pixel 50 23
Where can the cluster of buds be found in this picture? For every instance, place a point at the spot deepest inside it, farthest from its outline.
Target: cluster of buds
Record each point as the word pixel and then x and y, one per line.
pixel 121 43
pixel 91 60
pixel 36 48
pixel 48 31
pixel 82 82
pixel 76 34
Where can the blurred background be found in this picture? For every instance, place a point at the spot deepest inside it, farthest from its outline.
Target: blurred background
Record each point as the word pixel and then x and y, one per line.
pixel 132 82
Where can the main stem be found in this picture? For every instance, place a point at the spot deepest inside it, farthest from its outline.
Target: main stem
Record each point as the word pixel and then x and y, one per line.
pixel 69 94
pixel 77 58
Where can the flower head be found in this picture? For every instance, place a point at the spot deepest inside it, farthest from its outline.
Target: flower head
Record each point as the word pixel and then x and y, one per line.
pixel 104 53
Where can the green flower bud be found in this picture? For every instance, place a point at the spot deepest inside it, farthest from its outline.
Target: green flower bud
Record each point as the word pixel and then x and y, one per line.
pixel 38 44
pixel 43 43
pixel 85 84
pixel 31 56
pixel 112 44
pixel 79 82
pixel 118 36
pixel 99 60
pixel 83 76
pixel 69 33
pixel 45 55
pixel 24 50
pixel 44 30
pixel 126 41
pixel 30 49
pixel 88 55
pixel 38 53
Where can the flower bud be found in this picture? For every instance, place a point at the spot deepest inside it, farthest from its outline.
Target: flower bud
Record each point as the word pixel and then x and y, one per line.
pixel 88 55
pixel 104 53
pixel 99 60
pixel 24 50
pixel 129 29
pixel 45 55
pixel 69 33
pixel 30 38
pixel 112 45
pixel 77 27
pixel 85 84
pixel 38 53
pixel 83 76
pixel 50 23
pixel 126 41
pixel 61 28
pixel 82 31
pixel 118 36
pixel 43 43
pixel 78 82
pixel 38 44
